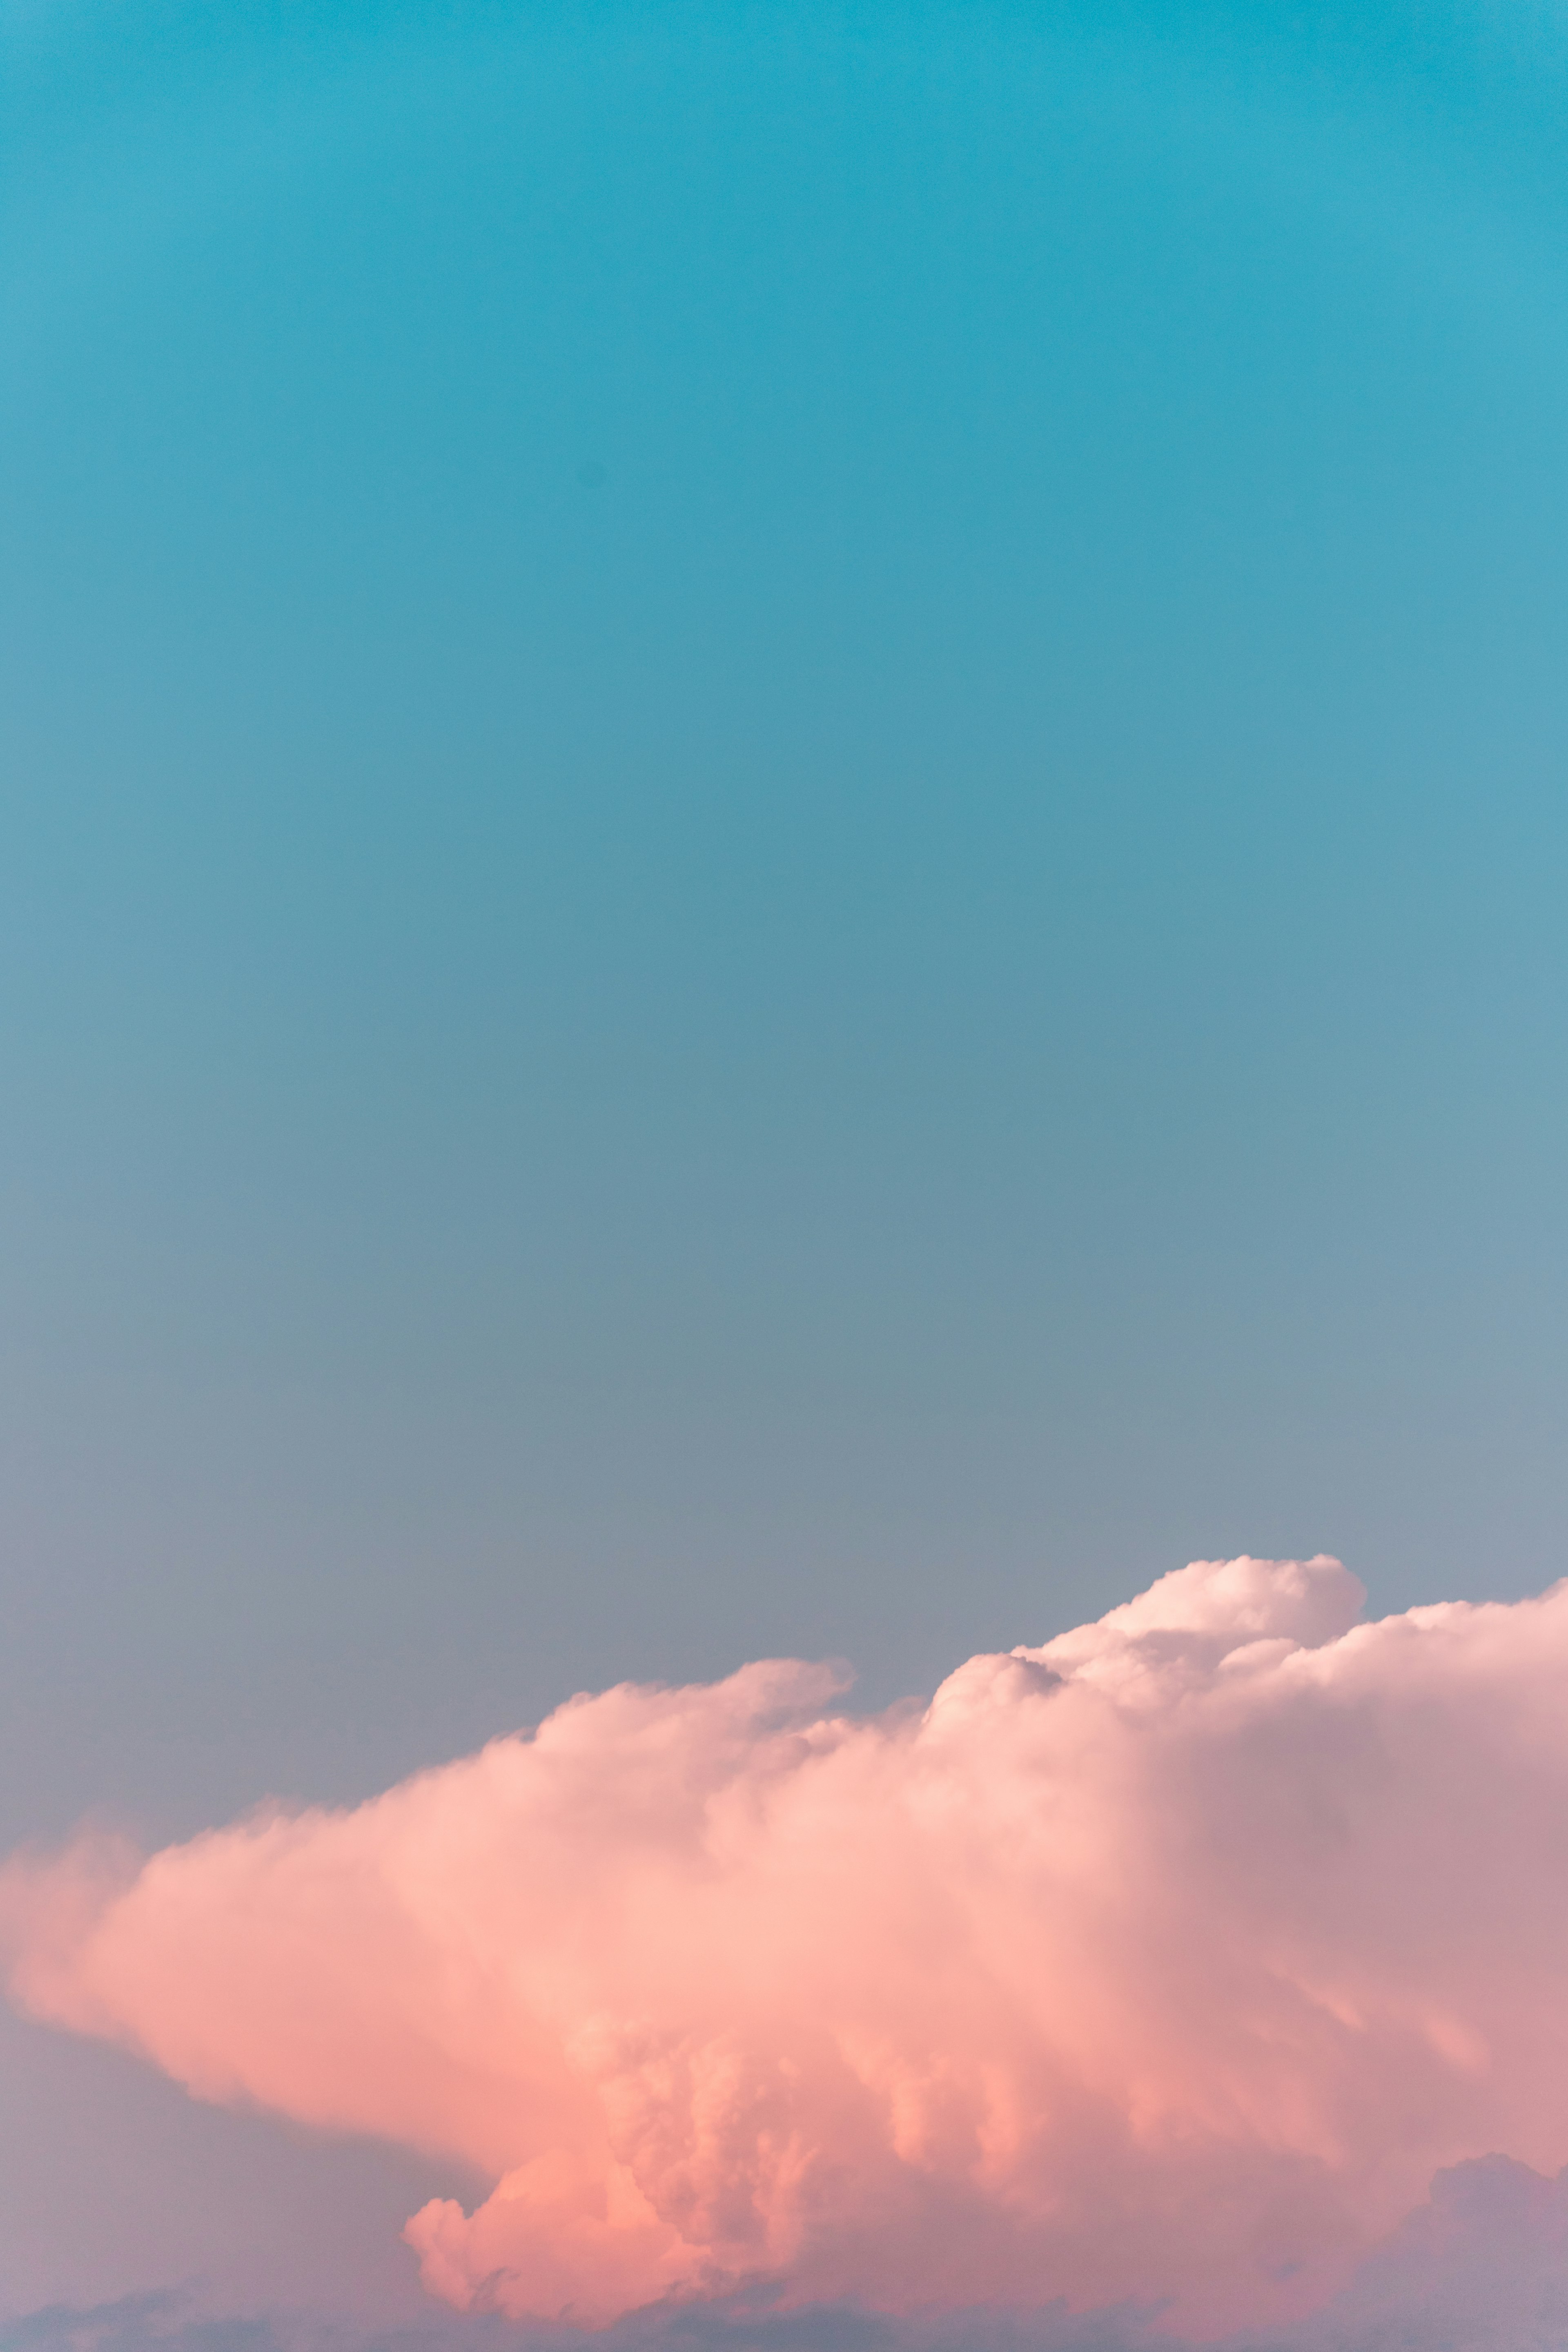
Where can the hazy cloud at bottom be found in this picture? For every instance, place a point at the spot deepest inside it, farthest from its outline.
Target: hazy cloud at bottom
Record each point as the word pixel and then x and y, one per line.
pixel 1154 1971
pixel 1481 2267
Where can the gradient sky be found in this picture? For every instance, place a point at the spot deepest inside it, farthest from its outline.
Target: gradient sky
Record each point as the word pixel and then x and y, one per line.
pixel 782 861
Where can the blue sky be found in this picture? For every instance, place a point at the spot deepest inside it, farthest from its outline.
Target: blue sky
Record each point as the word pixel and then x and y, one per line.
pixel 780 861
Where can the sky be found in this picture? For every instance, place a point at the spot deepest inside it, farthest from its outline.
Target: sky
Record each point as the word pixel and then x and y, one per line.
pixel 781 849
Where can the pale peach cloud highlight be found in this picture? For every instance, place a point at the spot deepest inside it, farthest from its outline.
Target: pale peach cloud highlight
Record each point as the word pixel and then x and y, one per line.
pixel 1166 1961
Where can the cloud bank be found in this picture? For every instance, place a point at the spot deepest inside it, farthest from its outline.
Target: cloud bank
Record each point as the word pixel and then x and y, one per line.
pixel 1482 2266
pixel 1162 1965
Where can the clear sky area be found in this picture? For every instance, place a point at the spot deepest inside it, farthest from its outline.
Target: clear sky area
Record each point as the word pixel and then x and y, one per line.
pixel 783 870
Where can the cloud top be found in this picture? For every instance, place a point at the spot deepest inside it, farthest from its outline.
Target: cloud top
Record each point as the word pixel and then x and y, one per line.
pixel 1162 1963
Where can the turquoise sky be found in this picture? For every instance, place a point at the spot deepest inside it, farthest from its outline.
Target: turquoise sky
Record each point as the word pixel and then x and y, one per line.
pixel 783 861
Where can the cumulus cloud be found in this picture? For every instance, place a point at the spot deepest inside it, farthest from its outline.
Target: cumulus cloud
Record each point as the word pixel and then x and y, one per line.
pixel 1160 1966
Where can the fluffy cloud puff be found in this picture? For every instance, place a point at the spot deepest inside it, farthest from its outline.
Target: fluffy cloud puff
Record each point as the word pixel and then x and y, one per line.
pixel 1162 1964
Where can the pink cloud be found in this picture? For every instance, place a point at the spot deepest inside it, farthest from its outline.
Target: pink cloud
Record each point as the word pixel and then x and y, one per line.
pixel 1166 1961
